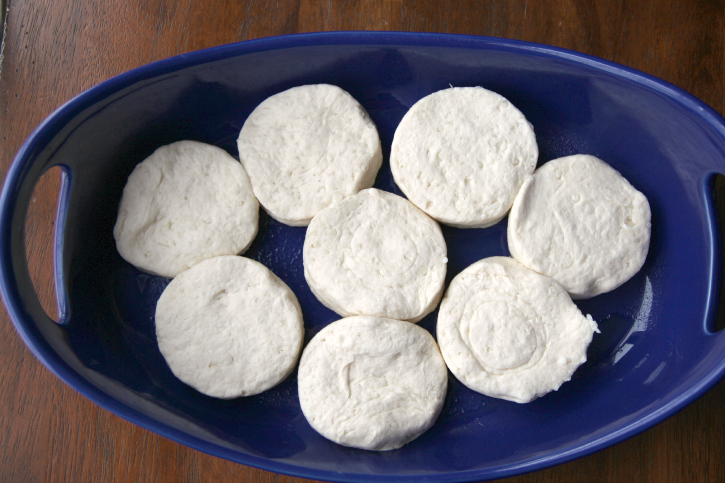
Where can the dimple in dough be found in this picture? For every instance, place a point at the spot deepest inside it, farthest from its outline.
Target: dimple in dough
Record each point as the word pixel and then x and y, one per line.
pixel 228 327
pixel 461 155
pixel 185 203
pixel 375 253
pixel 580 222
pixel 508 332
pixel 372 383
pixel 306 148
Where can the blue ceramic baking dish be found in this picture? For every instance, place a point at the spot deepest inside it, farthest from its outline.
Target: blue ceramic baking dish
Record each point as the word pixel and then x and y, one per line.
pixel 657 350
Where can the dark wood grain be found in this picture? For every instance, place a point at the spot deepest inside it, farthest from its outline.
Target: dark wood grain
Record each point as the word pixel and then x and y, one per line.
pixel 58 48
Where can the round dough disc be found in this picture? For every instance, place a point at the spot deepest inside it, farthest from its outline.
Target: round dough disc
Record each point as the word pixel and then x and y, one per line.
pixel 229 327
pixel 508 332
pixel 185 203
pixel 372 383
pixel 375 253
pixel 306 148
pixel 580 222
pixel 461 155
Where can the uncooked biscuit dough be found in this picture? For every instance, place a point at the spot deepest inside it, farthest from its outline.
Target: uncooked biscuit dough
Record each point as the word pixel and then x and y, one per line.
pixel 372 383
pixel 580 222
pixel 306 148
pixel 461 155
pixel 185 203
pixel 228 327
pixel 509 332
pixel 375 253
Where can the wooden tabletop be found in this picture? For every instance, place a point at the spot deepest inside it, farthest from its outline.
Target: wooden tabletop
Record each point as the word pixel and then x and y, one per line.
pixel 54 49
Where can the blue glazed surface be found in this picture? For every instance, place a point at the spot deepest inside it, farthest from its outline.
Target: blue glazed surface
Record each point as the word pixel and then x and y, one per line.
pixel 656 351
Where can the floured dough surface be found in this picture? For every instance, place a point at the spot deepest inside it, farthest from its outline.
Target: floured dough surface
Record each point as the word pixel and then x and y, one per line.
pixel 580 222
pixel 461 155
pixel 509 332
pixel 229 327
pixel 306 148
pixel 375 253
pixel 372 383
pixel 185 203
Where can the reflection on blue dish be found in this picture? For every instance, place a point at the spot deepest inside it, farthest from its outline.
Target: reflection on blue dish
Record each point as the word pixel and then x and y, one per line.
pixel 655 352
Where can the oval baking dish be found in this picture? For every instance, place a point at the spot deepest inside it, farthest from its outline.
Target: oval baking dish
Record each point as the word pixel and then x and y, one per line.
pixel 657 351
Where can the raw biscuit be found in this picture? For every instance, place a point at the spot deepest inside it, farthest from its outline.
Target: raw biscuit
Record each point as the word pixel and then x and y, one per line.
pixel 508 332
pixel 306 148
pixel 229 327
pixel 185 203
pixel 375 253
pixel 461 155
pixel 580 222
pixel 372 383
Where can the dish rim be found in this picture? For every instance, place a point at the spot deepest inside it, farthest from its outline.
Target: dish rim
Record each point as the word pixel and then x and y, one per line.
pixel 55 121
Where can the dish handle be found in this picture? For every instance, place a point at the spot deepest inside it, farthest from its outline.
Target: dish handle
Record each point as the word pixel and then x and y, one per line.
pixel 714 193
pixel 21 299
